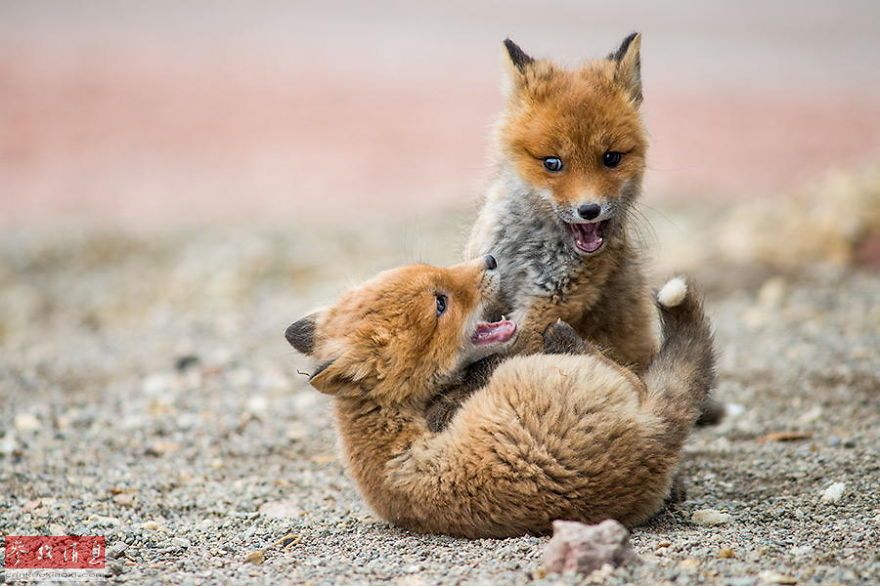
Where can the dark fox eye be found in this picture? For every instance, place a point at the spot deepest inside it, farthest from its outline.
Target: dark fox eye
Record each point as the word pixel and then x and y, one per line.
pixel 553 164
pixel 611 159
pixel 441 304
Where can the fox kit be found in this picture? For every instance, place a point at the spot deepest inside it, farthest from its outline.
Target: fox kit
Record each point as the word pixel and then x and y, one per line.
pixel 570 159
pixel 569 436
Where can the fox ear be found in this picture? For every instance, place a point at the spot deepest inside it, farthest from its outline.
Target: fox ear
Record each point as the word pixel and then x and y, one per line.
pixel 516 62
pixel 323 377
pixel 301 333
pixel 333 376
pixel 628 66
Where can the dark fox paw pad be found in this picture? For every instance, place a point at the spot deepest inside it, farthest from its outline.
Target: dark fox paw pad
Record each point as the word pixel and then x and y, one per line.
pixel 561 338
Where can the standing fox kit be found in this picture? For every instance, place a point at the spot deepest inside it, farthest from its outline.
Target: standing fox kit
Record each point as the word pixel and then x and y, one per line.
pixel 569 165
pixel 565 436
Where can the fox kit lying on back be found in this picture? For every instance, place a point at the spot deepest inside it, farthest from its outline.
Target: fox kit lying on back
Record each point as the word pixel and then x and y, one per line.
pixel 573 436
pixel 571 156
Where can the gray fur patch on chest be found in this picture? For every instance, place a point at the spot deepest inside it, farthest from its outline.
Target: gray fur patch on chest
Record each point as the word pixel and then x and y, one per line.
pixel 534 253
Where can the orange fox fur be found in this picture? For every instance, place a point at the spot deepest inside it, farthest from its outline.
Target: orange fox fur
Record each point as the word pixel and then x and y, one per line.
pixel 565 436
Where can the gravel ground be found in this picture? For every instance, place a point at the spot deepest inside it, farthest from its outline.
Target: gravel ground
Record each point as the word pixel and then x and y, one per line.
pixel 147 394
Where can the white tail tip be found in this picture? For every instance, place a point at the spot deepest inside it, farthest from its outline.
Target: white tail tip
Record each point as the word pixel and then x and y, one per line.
pixel 673 292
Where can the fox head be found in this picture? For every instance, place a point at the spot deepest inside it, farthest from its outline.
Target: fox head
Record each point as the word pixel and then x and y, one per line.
pixel 576 139
pixel 401 335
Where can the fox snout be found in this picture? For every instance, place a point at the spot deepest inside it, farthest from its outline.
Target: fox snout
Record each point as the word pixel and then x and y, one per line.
pixel 488 278
pixel 491 263
pixel 589 211
pixel 586 210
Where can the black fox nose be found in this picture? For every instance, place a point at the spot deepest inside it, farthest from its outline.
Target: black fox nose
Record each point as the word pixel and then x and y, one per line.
pixel 491 263
pixel 589 211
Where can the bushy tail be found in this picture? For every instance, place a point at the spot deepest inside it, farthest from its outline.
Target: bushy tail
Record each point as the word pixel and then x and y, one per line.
pixel 682 373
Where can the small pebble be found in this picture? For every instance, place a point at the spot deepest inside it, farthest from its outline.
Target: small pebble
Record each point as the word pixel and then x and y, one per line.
pixel 102 521
pixel 777 578
pixel 154 384
pixel 726 553
pixel 181 542
pixel 150 526
pixel 280 509
pixel 161 448
pixel 27 423
pixel 810 416
pixel 255 557
pixel 116 550
pixel 734 410
pixel 581 548
pixel 8 445
pixel 540 573
pixel 116 568
pixel 185 362
pixel 257 404
pixel 710 517
pixel 833 493
pixel 124 499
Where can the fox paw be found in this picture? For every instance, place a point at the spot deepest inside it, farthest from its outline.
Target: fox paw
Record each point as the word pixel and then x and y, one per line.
pixel 440 414
pixel 677 492
pixel 712 412
pixel 561 338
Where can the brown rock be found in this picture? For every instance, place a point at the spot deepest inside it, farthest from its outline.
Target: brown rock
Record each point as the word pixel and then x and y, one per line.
pixel 255 557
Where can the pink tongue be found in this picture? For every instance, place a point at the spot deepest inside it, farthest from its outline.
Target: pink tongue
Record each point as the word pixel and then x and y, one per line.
pixel 493 333
pixel 587 238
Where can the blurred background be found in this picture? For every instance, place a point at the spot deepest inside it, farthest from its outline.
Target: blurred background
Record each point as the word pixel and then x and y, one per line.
pixel 179 181
pixel 165 112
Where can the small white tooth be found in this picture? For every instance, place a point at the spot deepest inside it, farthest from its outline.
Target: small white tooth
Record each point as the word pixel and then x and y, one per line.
pixel 503 318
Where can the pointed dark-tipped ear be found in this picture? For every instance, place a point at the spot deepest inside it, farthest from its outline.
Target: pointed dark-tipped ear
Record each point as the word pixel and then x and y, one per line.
pixel 332 377
pixel 320 379
pixel 301 333
pixel 516 63
pixel 518 57
pixel 628 66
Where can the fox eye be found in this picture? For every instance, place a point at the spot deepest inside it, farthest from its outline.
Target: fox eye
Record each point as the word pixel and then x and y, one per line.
pixel 611 159
pixel 553 164
pixel 442 302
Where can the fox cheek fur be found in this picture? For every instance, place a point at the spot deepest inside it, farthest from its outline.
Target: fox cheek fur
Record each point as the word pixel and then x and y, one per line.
pixel 577 117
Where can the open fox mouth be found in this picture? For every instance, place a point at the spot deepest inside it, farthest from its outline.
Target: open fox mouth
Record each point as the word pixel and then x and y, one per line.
pixel 589 238
pixel 496 332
